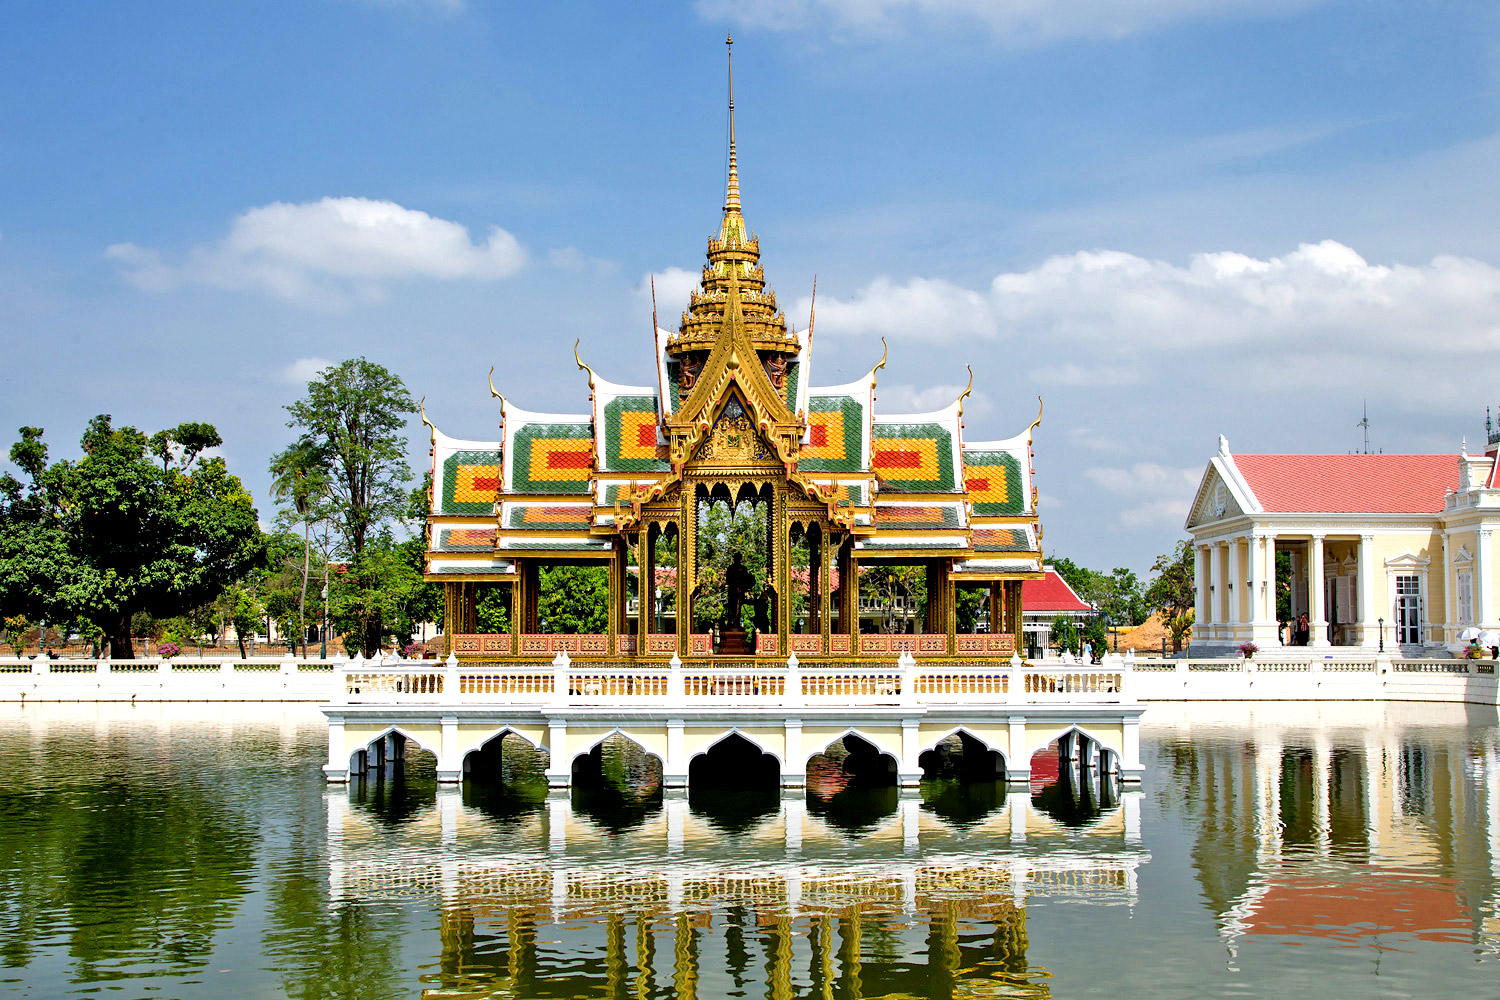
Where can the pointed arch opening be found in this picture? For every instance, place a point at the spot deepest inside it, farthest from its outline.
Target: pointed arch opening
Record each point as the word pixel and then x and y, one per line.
pixel 734 783
pixel 505 775
pixel 393 777
pixel 851 783
pixel 618 783
pixel 1074 779
pixel 963 780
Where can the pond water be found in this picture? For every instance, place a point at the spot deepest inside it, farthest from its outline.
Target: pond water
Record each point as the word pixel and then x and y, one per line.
pixel 194 851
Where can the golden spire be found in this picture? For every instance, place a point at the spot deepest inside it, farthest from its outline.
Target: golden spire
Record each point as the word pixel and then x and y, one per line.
pixel 732 198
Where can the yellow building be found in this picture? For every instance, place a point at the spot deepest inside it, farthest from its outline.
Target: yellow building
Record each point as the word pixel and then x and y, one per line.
pixel 1391 550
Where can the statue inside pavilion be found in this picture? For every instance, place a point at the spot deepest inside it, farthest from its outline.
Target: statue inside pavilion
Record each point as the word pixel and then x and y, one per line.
pixel 778 517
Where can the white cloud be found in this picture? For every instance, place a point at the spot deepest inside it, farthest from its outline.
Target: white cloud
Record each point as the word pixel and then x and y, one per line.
pixel 910 399
pixel 1109 318
pixel 304 370
pixel 1149 495
pixel 1007 21
pixel 327 252
pixel 673 286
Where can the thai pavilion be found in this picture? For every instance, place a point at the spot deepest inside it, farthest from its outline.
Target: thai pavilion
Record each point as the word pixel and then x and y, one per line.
pixel 734 417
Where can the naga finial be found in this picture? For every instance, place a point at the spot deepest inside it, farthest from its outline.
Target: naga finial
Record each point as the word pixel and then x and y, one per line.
pixel 493 393
pixel 1037 422
pixel 581 365
pixel 967 390
pixel 422 409
pixel 884 352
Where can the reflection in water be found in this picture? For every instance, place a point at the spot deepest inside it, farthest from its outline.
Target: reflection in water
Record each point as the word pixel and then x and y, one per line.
pixel 1351 833
pixel 206 858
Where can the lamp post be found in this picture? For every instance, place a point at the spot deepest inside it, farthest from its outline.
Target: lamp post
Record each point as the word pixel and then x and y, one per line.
pixel 1382 633
pixel 323 626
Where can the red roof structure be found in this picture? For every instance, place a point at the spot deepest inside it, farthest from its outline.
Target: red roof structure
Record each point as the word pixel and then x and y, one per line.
pixel 1340 484
pixel 1051 593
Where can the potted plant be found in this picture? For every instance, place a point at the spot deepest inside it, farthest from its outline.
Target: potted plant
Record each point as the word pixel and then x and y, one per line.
pixel 1248 650
pixel 167 650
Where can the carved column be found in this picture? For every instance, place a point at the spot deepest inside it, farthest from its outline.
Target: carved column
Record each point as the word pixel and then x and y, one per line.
pixel 619 594
pixel 645 587
pixel 687 565
pixel 997 623
pixel 825 583
pixel 849 594
pixel 1017 615
pixel 781 562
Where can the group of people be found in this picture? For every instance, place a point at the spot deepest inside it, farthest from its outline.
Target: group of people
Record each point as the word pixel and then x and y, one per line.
pixel 1294 632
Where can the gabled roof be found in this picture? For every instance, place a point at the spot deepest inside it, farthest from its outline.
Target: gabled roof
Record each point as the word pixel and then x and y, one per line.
pixel 1050 593
pixel 1350 484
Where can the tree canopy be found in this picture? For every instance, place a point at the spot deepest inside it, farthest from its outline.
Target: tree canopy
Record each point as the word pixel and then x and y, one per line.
pixel 113 534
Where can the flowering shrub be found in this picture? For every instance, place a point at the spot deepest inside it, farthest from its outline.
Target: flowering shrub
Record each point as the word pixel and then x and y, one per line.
pixel 1248 649
pixel 167 650
pixel 413 650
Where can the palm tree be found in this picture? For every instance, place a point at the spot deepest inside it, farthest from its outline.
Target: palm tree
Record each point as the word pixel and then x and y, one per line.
pixel 299 478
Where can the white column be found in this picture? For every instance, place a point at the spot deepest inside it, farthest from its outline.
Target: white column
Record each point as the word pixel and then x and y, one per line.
pixel 1221 604
pixel 1258 624
pixel 337 768
pixel 793 773
pixel 910 774
pixel 559 762
pixel 450 767
pixel 1484 611
pixel 1450 591
pixel 1316 621
pixel 1202 615
pixel 675 767
pixel 1236 587
pixel 1368 627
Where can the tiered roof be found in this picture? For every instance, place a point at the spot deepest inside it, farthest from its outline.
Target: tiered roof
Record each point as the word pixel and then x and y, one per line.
pixel 905 485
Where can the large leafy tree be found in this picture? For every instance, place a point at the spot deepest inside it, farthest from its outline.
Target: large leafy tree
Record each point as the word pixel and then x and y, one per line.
pixel 352 420
pixel 351 439
pixel 1174 591
pixel 111 535
pixel 299 483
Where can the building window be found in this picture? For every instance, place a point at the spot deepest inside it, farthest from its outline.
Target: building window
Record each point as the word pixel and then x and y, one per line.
pixel 1465 596
pixel 1408 609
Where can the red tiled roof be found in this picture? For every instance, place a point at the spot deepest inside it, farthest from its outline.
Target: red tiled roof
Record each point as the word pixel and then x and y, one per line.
pixel 1051 593
pixel 1352 484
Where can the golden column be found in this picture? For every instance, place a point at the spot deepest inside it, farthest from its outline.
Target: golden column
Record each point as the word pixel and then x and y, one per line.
pixel 645 586
pixel 687 565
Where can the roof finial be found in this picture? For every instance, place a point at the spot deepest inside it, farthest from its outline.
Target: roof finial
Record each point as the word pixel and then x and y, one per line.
pixel 493 393
pixel 581 366
pixel 732 199
pixel 431 428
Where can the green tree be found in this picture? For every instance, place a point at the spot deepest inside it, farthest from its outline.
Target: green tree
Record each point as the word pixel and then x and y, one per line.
pixel 299 484
pixel 574 599
pixel 1065 634
pixel 112 535
pixel 353 420
pixel 244 613
pixel 723 531
pixel 1173 593
pixel 15 632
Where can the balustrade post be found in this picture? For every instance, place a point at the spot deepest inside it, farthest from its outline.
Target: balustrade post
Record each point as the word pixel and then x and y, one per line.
pixel 41 665
pixel 288 663
pixel 793 695
pixel 1015 689
pixel 560 664
pixel 102 667
pixel 675 692
pixel 907 664
pixel 450 678
pixel 164 666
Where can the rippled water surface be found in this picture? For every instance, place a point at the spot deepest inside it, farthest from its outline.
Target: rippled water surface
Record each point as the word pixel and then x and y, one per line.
pixel 1287 850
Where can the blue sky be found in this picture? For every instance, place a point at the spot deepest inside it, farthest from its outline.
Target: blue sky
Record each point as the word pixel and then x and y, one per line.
pixel 1170 218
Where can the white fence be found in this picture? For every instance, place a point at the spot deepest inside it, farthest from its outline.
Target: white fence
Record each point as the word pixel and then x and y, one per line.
pixel 1368 677
pixel 179 679
pixel 1365 677
pixel 564 682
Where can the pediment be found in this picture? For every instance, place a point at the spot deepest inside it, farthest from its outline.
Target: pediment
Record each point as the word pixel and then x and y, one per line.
pixel 1215 500
pixel 734 440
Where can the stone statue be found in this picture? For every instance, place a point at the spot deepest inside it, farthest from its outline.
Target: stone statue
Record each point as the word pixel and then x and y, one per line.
pixel 738 581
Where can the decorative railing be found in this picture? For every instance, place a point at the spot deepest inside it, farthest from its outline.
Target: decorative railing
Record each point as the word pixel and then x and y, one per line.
pixel 986 644
pixel 919 644
pixel 481 645
pixel 565 682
